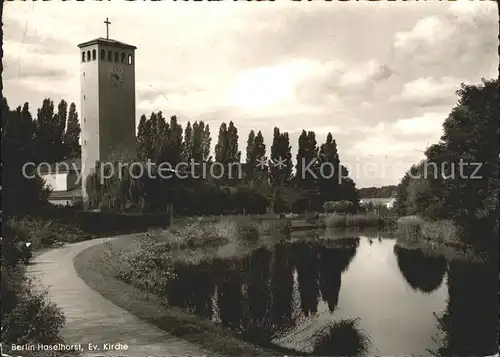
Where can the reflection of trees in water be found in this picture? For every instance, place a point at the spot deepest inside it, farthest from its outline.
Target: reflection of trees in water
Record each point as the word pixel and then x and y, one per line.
pixel 192 289
pixel 469 322
pixel 267 311
pixel 421 272
pixel 229 292
pixel 255 294
pixel 282 285
pixel 257 274
pixel 305 257
pixel 332 263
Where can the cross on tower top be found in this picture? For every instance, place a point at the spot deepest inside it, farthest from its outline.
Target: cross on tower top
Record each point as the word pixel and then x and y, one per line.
pixel 107 27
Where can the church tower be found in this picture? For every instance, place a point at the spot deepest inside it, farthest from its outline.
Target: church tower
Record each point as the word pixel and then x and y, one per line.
pixel 107 89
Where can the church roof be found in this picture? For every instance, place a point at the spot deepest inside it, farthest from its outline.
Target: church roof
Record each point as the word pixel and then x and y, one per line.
pixel 107 41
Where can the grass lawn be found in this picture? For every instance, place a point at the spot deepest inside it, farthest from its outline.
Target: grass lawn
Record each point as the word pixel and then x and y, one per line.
pixel 91 267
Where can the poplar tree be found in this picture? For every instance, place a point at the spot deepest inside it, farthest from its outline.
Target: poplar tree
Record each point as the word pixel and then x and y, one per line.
pixel 72 133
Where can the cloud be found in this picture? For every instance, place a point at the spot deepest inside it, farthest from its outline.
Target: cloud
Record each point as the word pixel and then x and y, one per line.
pixel 429 124
pixel 429 91
pixel 464 35
pixel 24 61
pixel 366 73
pixel 370 80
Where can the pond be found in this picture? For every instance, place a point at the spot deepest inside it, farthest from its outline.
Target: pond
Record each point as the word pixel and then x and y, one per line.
pixel 405 301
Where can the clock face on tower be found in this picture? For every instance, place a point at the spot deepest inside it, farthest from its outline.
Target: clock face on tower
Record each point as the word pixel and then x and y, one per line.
pixel 116 77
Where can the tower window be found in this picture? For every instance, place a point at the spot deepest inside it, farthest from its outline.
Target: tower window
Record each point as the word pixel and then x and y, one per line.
pixel 88 56
pixel 123 57
pixel 84 142
pixel 84 97
pixel 129 59
pixel 110 56
pixel 84 74
pixel 116 56
pixel 103 55
pixel 84 120
pixel 83 56
pixel 93 55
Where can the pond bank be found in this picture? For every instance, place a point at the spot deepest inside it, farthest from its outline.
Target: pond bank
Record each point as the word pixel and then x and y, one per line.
pixel 98 275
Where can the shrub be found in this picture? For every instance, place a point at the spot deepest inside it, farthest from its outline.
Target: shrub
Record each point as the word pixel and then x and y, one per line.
pixel 415 227
pixel 149 267
pixel 45 232
pixel 274 227
pixel 227 228
pixel 342 338
pixel 338 207
pixel 442 230
pixel 28 317
pixel 248 232
pixel 349 220
pixel 410 227
pixel 33 319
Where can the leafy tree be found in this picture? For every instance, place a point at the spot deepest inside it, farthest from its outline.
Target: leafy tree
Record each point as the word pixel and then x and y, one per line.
pixel 251 159
pixel 60 126
pixel 401 201
pixel 226 149
pixel 329 163
pixel 470 136
pixel 20 193
pixel 221 147
pixel 348 191
pixel 199 141
pixel 142 139
pixel 187 149
pixel 280 175
pixel 256 150
pixel 206 142
pixel 378 192
pixel 260 152
pixel 175 141
pixel 233 154
pixel 461 181
pixel 306 154
pixel 46 136
pixel 71 136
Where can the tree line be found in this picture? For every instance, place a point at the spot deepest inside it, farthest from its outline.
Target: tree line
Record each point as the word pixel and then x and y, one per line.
pixel 51 136
pixel 458 179
pixel 378 192
pixel 263 184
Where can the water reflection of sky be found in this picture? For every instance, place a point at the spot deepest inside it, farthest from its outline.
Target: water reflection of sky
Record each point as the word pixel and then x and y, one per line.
pixel 392 291
pixel 398 319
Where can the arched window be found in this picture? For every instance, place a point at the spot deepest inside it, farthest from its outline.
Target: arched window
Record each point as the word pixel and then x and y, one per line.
pixel 123 57
pixel 88 56
pixel 93 55
pixel 116 56
pixel 103 55
pixel 83 56
pixel 110 56
pixel 129 59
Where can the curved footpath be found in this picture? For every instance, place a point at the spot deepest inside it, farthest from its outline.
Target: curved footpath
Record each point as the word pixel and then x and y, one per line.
pixel 90 318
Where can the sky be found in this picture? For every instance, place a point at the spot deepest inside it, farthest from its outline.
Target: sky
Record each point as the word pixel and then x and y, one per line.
pixel 381 77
